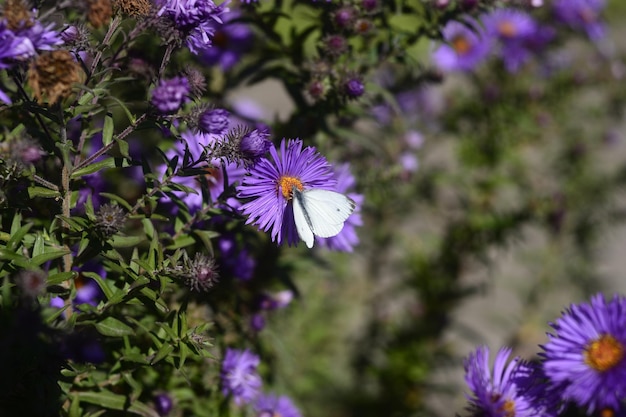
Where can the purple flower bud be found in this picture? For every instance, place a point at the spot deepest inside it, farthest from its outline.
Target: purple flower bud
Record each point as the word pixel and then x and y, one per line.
pixel 353 88
pixel 170 95
pixel 255 144
pixel 163 404
pixel 369 5
pixel 344 17
pixel 214 121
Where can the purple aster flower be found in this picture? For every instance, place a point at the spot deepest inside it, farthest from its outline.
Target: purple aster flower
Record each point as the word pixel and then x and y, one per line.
pixel 581 15
pixel 239 375
pixel 269 405
pixel 195 18
pixel 269 186
pixel 230 41
pixel 13 47
pixel 466 46
pixel 500 391
pixel 43 38
pixel 587 354
pixel 87 290
pixel 169 95
pixel 347 239
pixel 214 121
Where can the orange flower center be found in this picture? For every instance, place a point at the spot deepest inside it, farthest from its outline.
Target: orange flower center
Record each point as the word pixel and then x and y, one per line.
pixel 607 412
pixel 461 45
pixel 508 407
pixel 286 184
pixel 507 29
pixel 604 353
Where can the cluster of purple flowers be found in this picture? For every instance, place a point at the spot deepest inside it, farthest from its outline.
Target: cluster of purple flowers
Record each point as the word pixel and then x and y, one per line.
pixel 512 34
pixel 241 381
pixel 18 44
pixel 583 363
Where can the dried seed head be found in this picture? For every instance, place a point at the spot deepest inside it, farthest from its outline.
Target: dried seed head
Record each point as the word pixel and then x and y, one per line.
pixel 110 220
pixel 52 74
pixel 17 14
pixel 31 282
pixel 99 12
pixel 132 8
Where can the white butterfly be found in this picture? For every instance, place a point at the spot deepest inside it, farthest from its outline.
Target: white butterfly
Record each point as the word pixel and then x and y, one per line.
pixel 320 212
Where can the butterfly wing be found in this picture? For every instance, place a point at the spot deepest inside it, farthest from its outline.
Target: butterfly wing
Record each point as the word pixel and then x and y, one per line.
pixel 326 211
pixel 301 218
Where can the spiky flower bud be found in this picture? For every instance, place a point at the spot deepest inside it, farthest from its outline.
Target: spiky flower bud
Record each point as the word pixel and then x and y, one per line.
pixel 197 82
pixel 353 87
pixel 110 219
pixel 254 145
pixel 199 275
pixel 31 282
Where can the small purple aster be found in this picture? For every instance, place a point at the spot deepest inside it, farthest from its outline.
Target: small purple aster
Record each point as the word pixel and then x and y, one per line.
pixel 581 15
pixel 501 391
pixel 466 46
pixel 513 28
pixel 587 355
pixel 195 18
pixel 163 404
pixel 169 95
pixel 347 239
pixel 214 121
pixel 239 376
pixel 269 186
pixel 269 405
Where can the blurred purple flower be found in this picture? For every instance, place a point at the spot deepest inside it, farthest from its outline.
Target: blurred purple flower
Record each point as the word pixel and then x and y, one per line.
pixel 239 375
pixel 269 405
pixel 214 121
pixel 581 15
pixel 347 239
pixel 163 404
pixel 466 46
pixel 230 41
pixel 239 263
pixel 169 95
pixel 500 391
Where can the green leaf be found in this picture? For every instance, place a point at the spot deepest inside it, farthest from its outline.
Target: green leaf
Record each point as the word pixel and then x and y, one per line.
pixel 163 352
pixel 113 327
pixel 123 147
pixel 181 242
pixel 61 277
pixel 48 256
pixel 126 241
pixel 107 130
pixel 97 166
pixel 116 402
pixel 17 236
pixel 38 246
pixel 119 200
pixel 108 293
pixel 42 192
